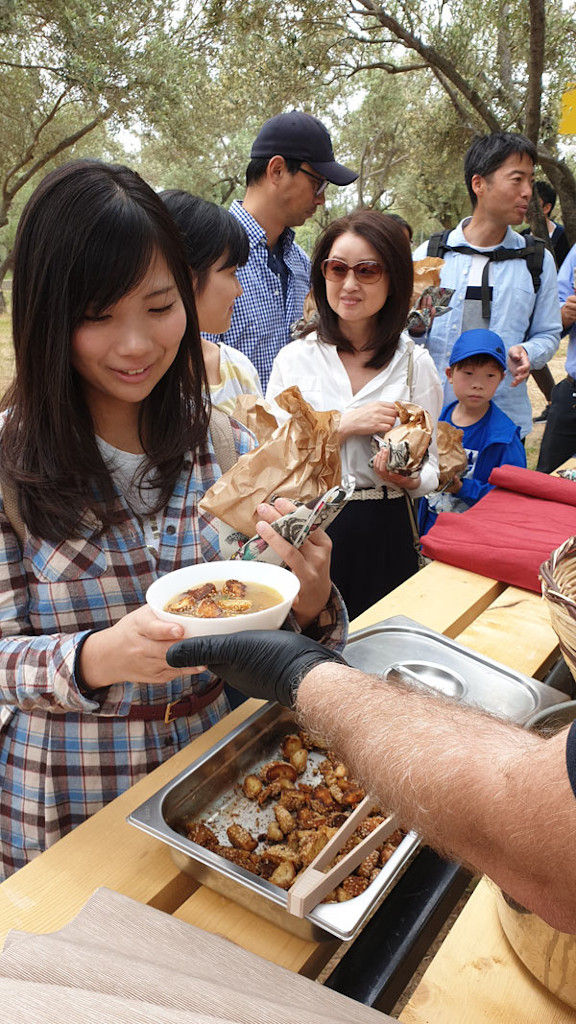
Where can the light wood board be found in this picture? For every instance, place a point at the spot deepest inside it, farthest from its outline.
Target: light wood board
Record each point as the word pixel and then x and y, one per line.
pixel 476 978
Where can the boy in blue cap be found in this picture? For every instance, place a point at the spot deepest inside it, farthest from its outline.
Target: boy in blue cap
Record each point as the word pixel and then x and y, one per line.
pixel 477 365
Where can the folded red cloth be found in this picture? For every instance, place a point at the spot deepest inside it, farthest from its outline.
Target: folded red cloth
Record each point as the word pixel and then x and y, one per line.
pixel 537 485
pixel 508 533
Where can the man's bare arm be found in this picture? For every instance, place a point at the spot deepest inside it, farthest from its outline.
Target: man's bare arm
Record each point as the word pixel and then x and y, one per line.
pixel 476 788
pixel 480 790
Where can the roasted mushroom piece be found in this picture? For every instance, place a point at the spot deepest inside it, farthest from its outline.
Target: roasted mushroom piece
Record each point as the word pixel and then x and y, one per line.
pixel 251 787
pixel 299 760
pixel 241 838
pixel 276 770
pixel 290 743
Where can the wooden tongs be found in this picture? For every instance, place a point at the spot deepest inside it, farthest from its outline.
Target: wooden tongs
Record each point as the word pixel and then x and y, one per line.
pixel 314 883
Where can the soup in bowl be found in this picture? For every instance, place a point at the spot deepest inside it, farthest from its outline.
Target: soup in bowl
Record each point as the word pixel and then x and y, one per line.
pixel 224 597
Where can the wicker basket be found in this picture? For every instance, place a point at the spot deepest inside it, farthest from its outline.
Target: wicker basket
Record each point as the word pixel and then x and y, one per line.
pixel 558 578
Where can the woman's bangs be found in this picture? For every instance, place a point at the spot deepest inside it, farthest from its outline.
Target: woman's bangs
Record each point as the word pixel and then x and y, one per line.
pixel 116 258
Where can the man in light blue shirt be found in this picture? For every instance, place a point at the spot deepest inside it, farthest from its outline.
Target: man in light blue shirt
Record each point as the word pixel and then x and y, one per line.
pixel 292 162
pixel 498 293
pixel 559 441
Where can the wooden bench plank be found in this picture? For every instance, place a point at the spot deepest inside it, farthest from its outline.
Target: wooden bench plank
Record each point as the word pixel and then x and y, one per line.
pixel 217 914
pixel 476 977
pixel 440 596
pixel 515 630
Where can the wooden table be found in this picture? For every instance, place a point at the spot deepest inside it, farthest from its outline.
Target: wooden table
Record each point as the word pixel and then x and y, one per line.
pixel 475 976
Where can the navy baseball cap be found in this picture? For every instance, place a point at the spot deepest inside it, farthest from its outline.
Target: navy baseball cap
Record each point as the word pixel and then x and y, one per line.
pixel 479 342
pixel 300 136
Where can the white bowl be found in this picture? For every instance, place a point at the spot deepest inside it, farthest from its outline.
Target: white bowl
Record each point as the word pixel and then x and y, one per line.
pixel 174 583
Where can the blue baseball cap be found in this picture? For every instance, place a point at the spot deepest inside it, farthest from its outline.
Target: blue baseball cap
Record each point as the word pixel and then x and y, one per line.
pixel 479 342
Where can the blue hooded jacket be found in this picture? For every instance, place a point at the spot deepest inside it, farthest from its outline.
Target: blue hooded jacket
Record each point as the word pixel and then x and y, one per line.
pixel 503 447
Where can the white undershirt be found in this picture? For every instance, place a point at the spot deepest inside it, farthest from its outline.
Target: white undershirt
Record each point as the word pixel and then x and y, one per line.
pixel 125 468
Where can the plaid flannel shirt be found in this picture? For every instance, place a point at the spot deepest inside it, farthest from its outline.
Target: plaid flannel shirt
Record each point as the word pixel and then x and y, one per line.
pixel 63 756
pixel 260 322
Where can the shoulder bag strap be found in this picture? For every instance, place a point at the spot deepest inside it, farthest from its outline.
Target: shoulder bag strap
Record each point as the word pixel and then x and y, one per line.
pixel 11 507
pixel 410 505
pixel 410 368
pixel 223 439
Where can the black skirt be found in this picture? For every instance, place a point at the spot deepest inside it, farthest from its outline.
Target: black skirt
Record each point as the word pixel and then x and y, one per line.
pixel 373 551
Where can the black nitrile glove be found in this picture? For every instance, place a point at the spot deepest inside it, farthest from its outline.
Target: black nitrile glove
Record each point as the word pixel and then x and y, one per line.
pixel 268 664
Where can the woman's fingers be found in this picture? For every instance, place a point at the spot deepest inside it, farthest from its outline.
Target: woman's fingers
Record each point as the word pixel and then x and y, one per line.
pixel 270 513
pixel 282 547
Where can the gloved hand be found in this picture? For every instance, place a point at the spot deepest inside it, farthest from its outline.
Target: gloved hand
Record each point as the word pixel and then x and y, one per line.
pixel 269 664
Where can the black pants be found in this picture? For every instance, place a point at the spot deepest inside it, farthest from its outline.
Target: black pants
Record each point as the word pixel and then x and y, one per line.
pixel 373 551
pixel 559 440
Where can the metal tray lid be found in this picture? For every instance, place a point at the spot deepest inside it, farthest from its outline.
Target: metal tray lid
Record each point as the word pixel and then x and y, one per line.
pixel 400 645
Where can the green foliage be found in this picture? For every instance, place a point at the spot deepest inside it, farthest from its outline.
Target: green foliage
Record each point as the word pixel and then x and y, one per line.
pixel 402 85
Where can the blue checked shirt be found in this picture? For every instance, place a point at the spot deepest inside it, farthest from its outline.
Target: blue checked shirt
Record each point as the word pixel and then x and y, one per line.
pixel 514 302
pixel 260 322
pixel 64 755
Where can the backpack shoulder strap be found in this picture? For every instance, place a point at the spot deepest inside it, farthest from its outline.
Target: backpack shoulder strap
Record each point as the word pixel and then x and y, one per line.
pixel 223 439
pixel 535 258
pixel 437 243
pixel 11 507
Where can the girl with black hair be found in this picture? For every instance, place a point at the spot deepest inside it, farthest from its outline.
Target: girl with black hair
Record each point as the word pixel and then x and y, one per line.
pixel 216 245
pixel 358 359
pixel 105 453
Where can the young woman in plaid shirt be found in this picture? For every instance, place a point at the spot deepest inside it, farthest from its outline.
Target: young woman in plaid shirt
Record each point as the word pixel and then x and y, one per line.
pixel 106 446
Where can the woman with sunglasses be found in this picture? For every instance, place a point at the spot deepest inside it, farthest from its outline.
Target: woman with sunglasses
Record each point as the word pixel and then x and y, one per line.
pixel 359 359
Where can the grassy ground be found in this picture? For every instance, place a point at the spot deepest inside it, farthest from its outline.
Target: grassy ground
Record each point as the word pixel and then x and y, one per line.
pixel 6 356
pixel 532 441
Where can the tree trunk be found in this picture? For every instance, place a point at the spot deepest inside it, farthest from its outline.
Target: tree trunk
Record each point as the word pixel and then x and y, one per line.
pixel 564 182
pixel 535 70
pixel 4 268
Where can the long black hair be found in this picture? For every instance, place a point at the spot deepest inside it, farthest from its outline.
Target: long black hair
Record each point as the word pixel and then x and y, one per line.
pixel 387 237
pixel 209 232
pixel 85 239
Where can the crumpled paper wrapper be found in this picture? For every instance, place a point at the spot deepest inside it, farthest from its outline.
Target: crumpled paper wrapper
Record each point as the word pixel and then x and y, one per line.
pixel 255 413
pixel 427 283
pixel 300 461
pixel 294 527
pixel 452 459
pixel 426 275
pixel 308 321
pixel 408 441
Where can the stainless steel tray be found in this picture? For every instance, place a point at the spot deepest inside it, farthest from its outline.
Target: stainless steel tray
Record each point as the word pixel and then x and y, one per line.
pixel 206 789
pixel 400 646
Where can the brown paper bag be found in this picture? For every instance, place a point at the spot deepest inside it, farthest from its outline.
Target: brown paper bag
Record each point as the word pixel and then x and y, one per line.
pixel 452 459
pixel 409 440
pixel 427 282
pixel 255 412
pixel 300 461
pixel 426 275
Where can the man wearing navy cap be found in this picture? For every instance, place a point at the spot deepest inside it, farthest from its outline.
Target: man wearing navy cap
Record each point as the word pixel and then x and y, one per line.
pixel 291 164
pixel 477 366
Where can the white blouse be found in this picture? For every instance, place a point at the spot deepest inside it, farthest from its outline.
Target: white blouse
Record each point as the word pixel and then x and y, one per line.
pixel 319 373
